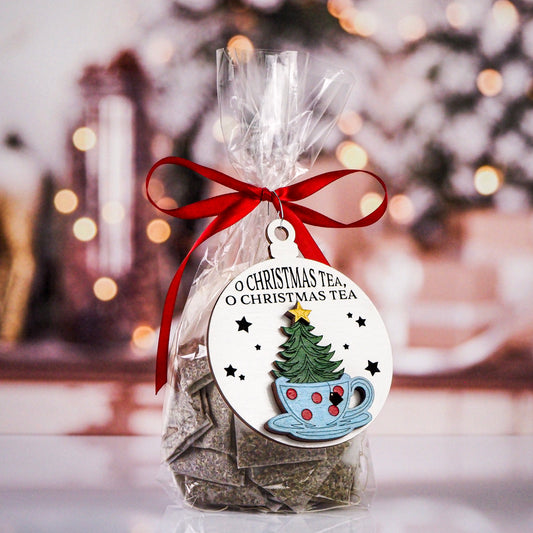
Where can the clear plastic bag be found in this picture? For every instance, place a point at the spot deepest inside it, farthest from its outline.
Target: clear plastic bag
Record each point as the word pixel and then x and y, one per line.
pixel 276 109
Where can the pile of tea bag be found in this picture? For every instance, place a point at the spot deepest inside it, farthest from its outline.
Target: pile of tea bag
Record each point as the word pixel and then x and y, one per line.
pixel 219 462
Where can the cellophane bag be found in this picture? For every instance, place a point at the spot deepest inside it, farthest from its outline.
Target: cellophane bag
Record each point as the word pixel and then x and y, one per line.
pixel 276 109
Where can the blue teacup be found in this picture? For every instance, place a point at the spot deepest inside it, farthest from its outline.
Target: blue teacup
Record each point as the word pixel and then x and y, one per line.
pixel 325 404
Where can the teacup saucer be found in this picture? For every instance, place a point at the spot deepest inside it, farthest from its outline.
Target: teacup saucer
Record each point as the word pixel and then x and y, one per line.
pixel 289 424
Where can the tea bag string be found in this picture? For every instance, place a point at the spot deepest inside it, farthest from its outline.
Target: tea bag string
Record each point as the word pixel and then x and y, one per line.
pixel 231 207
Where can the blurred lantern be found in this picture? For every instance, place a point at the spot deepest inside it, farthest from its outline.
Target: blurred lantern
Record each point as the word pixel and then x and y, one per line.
pixel 110 249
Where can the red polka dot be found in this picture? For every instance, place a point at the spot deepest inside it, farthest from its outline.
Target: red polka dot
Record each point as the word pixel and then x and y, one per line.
pixel 316 397
pixel 307 415
pixel 333 410
pixel 338 389
pixel 291 394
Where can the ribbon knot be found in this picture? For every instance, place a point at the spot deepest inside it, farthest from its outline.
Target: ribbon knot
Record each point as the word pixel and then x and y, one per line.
pixel 231 207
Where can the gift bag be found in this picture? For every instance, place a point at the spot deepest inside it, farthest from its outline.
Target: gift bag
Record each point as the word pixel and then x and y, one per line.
pixel 280 362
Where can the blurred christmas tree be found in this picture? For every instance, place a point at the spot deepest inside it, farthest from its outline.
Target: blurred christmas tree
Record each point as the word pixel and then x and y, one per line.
pixel 443 104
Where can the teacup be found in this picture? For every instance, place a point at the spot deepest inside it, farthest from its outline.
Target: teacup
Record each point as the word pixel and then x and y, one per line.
pixel 323 404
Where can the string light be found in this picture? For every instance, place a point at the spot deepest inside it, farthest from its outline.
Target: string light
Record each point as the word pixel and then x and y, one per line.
pixel 350 122
pixel 158 230
pixel 84 139
pixel 113 212
pixel 65 201
pixel 167 203
pixel 411 28
pixel 336 7
pixel 347 20
pixel 239 48
pixel 505 15
pixel 105 289
pixel 160 50
pixel 85 229
pixel 487 180
pixel 457 14
pixel 489 82
pixel 143 337
pixel 401 209
pixel 369 202
pixel 364 23
pixel 351 155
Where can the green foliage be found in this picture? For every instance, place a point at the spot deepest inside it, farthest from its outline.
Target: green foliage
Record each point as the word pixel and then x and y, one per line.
pixel 304 360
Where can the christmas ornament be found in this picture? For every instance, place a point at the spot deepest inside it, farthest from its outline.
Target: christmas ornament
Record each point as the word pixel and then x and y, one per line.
pixel 298 350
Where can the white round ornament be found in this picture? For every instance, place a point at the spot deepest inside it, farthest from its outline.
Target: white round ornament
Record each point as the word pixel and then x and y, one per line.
pixel 298 350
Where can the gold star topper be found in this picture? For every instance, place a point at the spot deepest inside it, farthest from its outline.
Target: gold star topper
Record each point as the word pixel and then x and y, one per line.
pixel 299 312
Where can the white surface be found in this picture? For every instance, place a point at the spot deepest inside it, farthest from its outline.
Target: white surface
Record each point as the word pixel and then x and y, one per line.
pixel 425 484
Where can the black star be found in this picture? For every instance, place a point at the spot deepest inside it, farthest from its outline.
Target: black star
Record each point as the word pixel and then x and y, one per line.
pixel 230 371
pixel 241 377
pixel 243 324
pixel 257 347
pixel 349 315
pixel 346 346
pixel 372 367
pixel 361 321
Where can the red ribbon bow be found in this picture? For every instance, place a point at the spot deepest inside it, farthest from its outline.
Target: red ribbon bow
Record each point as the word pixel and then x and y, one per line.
pixel 232 207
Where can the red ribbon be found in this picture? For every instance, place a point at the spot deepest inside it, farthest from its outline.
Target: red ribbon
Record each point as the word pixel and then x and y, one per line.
pixel 232 207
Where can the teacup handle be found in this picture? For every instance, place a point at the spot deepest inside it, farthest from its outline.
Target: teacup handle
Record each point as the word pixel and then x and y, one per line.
pixel 361 383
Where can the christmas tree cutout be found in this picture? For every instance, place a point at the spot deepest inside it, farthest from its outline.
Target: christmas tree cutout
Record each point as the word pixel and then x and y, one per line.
pixel 304 360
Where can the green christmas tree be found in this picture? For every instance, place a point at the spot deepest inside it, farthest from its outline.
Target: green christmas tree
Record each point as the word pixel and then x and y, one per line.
pixel 305 361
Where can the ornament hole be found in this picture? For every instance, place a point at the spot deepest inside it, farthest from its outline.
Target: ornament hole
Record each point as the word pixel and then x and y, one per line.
pixel 281 233
pixel 357 397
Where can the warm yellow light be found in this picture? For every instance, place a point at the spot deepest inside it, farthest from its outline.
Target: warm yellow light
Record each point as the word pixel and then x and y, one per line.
pixel 336 7
pixel 113 212
pixel 489 82
pixel 457 14
pixel 351 155
pixel 158 230
pixel 105 289
pixel 85 229
pixel 157 189
pixel 369 202
pixel 347 20
pixel 350 122
pixel 365 23
pixel 239 48
pixel 143 337
pixel 160 50
pixel 505 14
pixel 412 28
pixel 167 203
pixel 487 180
pixel 401 209
pixel 161 145
pixel 65 201
pixel 84 138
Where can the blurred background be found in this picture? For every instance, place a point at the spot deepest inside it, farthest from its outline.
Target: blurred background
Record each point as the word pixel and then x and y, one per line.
pixel 91 94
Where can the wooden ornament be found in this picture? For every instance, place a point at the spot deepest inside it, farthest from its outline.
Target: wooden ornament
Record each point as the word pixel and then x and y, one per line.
pixel 298 350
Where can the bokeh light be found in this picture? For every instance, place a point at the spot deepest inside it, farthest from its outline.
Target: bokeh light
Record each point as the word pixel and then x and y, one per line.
pixel 350 122
pixel 347 20
pixel 239 46
pixel 160 50
pixel 457 14
pixel 143 337
pixel 351 155
pixel 65 201
pixel 84 138
pixel 370 202
pixel 489 82
pixel 412 27
pixel 167 203
pixel 336 7
pixel 365 23
pixel 105 289
pixel 487 180
pixel 161 145
pixel 113 212
pixel 401 209
pixel 505 14
pixel 158 230
pixel 85 229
